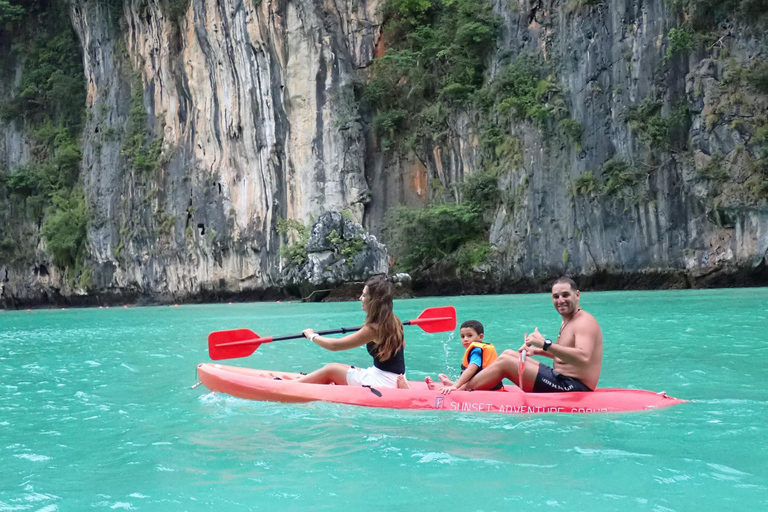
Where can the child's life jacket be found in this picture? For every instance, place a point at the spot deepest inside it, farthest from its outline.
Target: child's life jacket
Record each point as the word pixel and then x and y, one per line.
pixel 489 354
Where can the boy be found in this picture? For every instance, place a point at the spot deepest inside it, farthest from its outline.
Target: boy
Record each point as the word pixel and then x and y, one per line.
pixel 477 356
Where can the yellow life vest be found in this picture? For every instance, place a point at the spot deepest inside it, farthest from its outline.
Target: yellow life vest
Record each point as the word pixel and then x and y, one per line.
pixel 489 354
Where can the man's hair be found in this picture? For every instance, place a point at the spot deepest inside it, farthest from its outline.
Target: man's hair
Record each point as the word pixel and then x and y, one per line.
pixel 567 280
pixel 473 324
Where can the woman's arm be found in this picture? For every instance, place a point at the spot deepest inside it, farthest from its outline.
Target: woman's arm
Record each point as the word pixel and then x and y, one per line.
pixel 356 339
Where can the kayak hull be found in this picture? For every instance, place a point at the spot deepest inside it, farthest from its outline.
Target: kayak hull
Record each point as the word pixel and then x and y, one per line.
pixel 273 386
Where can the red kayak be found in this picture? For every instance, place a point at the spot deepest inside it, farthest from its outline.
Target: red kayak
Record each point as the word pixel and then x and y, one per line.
pixel 266 385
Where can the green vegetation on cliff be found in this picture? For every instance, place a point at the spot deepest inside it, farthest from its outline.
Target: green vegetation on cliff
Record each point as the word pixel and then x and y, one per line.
pixel 419 236
pixel 10 12
pixel 294 252
pixel 434 70
pixel 705 15
pixel 64 229
pixel 437 51
pixel 143 151
pixel 435 67
pixel 657 131
pixel 48 104
pixel 736 108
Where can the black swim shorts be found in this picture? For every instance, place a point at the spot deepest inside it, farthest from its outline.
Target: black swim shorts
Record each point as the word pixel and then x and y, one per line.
pixel 549 381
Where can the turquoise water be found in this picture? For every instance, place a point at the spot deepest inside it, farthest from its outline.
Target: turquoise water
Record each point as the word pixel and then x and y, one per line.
pixel 96 413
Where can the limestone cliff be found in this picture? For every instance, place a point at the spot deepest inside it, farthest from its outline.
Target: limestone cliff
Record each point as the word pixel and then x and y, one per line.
pixel 691 211
pixel 247 120
pixel 206 127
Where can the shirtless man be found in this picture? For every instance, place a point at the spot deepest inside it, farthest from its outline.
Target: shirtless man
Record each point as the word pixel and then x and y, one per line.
pixel 577 351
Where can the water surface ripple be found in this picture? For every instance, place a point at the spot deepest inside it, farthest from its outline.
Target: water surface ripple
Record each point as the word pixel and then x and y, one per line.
pixel 96 412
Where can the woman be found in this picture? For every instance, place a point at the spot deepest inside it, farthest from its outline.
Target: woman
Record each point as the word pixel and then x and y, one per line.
pixel 382 333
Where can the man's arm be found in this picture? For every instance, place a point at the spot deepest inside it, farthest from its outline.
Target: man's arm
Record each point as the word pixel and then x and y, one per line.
pixel 578 355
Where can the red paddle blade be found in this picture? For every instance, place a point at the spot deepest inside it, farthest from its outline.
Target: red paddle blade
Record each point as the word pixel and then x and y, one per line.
pixel 437 319
pixel 233 343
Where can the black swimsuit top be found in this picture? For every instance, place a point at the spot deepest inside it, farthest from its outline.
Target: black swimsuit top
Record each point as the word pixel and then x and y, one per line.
pixel 395 364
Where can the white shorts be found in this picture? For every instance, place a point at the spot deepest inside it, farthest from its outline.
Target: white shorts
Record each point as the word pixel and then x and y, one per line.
pixel 371 377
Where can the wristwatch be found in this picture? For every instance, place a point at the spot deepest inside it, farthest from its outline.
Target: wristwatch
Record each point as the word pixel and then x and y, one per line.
pixel 547 344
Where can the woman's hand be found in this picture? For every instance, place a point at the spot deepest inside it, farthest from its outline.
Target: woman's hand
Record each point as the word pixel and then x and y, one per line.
pixel 308 333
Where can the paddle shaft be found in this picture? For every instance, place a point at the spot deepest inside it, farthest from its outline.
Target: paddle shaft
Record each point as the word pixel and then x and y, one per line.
pixel 521 365
pixel 342 330
pixel 243 342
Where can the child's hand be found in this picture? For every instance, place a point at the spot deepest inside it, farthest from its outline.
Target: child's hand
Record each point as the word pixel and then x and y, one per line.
pixel 308 333
pixel 447 389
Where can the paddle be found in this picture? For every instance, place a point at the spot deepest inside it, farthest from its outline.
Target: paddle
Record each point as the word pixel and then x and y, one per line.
pixel 521 366
pixel 244 342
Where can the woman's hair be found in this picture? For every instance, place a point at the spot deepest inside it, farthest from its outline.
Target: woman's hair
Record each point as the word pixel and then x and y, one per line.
pixel 389 328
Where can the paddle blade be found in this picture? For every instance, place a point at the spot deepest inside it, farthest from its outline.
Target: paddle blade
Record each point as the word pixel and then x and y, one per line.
pixel 437 319
pixel 233 343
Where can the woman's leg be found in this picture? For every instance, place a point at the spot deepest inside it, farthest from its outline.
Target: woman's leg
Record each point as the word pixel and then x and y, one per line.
pixel 333 373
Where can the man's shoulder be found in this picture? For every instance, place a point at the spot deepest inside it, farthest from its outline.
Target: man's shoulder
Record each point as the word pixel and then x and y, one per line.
pixel 586 320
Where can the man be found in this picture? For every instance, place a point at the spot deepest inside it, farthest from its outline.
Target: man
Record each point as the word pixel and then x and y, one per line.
pixel 577 351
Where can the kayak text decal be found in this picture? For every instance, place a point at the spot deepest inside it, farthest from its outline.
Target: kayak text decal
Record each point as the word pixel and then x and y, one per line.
pixel 514 409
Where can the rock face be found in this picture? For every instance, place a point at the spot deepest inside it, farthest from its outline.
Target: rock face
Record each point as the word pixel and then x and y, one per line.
pixel 339 250
pixel 677 226
pixel 252 109
pixel 611 57
pixel 251 104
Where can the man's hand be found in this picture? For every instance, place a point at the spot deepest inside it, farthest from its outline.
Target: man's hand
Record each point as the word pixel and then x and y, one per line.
pixel 532 350
pixel 534 341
